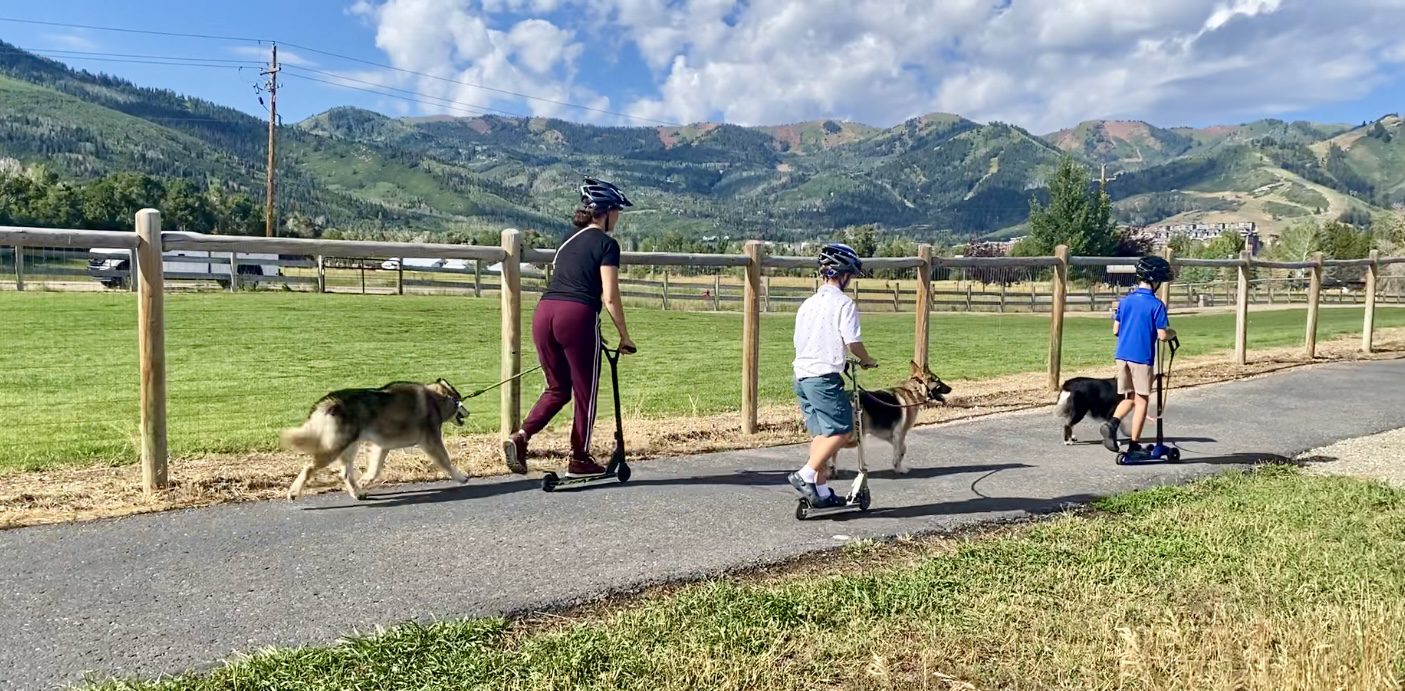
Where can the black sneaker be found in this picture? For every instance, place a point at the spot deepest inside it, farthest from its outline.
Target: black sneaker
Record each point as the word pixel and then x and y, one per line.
pixel 806 489
pixel 829 502
pixel 1110 436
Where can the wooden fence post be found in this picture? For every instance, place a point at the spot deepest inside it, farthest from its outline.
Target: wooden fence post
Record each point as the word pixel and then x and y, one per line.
pixel 1241 312
pixel 1170 256
pixel 400 276
pixel 968 296
pixel 1056 316
pixel 478 279
pixel 766 306
pixel 897 298
pixel 19 267
pixel 717 292
pixel 1003 288
pixel 321 274
pixel 751 335
pixel 1033 296
pixel 665 289
pixel 132 271
pixel 1368 328
pixel 924 305
pixel 1314 294
pixel 511 296
pixel 151 349
pixel 233 271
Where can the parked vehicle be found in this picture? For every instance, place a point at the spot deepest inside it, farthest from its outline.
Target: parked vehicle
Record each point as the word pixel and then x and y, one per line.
pixel 112 266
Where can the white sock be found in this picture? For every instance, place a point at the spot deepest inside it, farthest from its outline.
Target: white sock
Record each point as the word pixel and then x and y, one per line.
pixel 823 490
pixel 809 475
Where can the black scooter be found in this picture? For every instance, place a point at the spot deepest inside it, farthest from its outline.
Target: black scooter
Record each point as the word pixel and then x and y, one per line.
pixel 1159 452
pixel 617 468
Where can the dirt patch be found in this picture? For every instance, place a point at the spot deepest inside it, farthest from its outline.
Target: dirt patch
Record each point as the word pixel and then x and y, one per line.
pixel 68 495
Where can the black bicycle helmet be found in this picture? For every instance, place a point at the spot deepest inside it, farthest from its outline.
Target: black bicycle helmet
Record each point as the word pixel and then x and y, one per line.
pixel 1154 269
pixel 838 258
pixel 600 196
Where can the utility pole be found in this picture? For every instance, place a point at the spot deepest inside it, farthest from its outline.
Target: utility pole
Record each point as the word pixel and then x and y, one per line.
pixel 270 222
pixel 1102 178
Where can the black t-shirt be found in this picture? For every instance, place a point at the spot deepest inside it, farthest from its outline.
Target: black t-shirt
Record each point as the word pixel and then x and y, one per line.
pixel 576 274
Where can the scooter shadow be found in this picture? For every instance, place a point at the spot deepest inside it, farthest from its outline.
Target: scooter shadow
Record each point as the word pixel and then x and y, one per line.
pixel 774 478
pixel 1028 505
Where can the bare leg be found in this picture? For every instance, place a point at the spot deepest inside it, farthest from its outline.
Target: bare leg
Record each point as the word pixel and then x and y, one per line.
pixel 1138 417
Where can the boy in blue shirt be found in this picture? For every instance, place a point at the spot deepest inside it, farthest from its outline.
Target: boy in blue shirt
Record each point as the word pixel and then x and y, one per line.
pixel 1140 322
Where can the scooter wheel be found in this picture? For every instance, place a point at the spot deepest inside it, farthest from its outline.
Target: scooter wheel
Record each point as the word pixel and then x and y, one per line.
pixel 1174 455
pixel 865 500
pixel 1121 459
pixel 802 510
pixel 623 472
pixel 549 482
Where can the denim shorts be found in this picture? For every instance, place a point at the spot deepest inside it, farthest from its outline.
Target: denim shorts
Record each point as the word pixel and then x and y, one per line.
pixel 826 405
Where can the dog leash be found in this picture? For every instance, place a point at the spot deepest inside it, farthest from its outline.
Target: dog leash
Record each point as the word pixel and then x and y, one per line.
pixel 519 375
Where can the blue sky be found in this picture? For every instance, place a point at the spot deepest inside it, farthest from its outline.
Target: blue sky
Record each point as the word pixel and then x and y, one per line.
pixel 1042 64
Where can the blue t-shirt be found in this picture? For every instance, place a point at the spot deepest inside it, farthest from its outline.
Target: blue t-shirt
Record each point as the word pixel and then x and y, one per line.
pixel 1139 315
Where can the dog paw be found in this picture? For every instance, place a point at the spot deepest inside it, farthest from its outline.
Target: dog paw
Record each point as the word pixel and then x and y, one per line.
pixel 901 470
pixel 1069 442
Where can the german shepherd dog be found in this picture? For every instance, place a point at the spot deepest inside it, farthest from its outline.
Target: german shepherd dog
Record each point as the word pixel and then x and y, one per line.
pixel 396 416
pixel 889 414
pixel 1085 396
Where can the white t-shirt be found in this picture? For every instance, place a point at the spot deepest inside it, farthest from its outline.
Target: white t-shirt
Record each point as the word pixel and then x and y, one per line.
pixel 826 324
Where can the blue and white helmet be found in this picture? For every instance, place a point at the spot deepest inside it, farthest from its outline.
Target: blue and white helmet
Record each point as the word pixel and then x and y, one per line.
pixel 600 196
pixel 838 258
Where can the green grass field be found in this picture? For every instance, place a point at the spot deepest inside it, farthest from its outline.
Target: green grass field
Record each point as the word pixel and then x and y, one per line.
pixel 240 366
pixel 1267 580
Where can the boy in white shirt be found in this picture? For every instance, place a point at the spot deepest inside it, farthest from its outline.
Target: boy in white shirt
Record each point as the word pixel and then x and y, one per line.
pixel 826 325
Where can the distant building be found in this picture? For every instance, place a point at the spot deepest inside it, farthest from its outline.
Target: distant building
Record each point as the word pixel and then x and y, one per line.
pixel 1201 232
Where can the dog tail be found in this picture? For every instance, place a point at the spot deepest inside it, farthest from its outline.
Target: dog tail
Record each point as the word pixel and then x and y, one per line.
pixel 1064 407
pixel 311 437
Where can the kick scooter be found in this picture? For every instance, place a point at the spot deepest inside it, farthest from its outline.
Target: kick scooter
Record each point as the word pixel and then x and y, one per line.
pixel 1160 452
pixel 617 468
pixel 858 498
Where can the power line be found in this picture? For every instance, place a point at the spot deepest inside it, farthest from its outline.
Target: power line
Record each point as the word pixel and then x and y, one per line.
pixel 148 32
pixel 407 91
pixel 372 63
pixel 51 51
pixel 450 105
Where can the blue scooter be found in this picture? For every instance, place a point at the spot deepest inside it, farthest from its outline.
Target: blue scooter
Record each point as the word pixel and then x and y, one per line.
pixel 1160 452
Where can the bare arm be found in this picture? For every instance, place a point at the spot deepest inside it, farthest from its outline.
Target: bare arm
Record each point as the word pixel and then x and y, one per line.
pixel 865 360
pixel 610 281
pixel 1166 334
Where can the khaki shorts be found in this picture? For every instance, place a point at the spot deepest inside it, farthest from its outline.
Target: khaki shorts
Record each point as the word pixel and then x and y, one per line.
pixel 1133 377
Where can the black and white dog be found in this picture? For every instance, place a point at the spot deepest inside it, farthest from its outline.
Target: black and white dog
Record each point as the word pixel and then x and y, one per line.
pixel 1081 397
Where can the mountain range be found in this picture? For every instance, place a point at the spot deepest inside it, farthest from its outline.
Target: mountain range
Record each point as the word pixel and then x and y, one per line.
pixel 938 175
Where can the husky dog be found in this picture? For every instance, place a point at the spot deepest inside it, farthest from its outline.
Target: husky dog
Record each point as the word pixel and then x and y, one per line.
pixel 1085 396
pixel 396 416
pixel 890 413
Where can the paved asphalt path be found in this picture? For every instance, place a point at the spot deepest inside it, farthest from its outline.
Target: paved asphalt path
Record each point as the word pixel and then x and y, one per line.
pixel 166 592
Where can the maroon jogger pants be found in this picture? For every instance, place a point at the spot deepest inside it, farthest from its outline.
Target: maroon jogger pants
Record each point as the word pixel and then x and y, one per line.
pixel 567 336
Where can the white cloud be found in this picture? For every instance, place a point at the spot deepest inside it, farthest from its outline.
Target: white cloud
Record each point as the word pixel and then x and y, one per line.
pixel 476 60
pixel 71 41
pixel 1042 64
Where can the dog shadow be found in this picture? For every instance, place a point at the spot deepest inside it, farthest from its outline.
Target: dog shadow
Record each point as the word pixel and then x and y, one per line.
pixel 1097 441
pixel 435 495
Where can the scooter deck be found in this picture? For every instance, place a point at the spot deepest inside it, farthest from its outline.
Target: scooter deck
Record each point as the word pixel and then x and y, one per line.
pixel 1166 455
pixel 551 481
pixel 858 502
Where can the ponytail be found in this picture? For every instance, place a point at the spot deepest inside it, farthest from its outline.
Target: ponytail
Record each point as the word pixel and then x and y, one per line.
pixel 582 218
